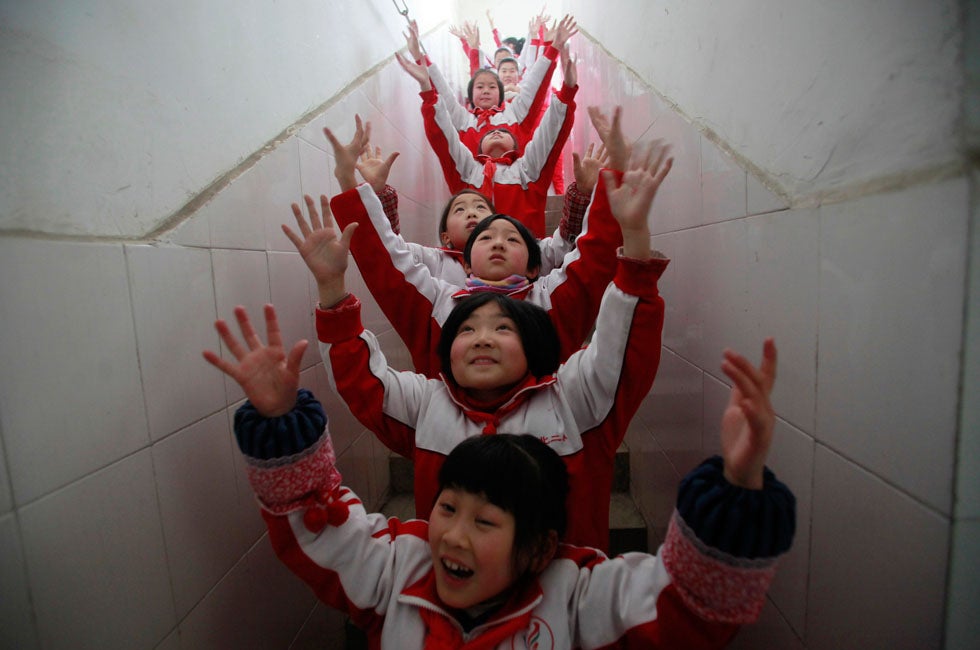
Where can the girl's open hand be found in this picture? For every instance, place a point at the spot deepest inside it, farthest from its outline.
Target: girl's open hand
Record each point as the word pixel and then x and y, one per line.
pixel 748 421
pixel 345 155
pixel 324 252
pixel 415 70
pixel 266 373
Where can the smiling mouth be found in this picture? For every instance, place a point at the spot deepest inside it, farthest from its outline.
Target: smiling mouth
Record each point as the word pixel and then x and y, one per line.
pixel 456 570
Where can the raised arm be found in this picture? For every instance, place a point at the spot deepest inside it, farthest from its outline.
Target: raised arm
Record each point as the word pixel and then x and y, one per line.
pixel 579 193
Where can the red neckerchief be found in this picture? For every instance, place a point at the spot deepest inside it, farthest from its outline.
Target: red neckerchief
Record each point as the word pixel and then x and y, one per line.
pixel 453 253
pixel 483 115
pixel 508 158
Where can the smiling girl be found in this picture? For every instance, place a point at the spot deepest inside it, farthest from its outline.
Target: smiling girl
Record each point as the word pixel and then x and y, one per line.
pixel 488 570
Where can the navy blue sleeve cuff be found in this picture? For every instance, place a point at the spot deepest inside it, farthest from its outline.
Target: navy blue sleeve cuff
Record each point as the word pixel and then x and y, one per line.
pixel 267 438
pixel 741 522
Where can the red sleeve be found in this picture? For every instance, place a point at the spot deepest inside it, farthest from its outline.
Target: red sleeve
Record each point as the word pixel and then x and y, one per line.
pixel 403 290
pixel 474 56
pixel 349 358
pixel 592 266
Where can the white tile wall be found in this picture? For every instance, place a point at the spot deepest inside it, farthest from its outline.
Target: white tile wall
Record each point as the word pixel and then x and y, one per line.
pixel 6 497
pixel 791 459
pixel 877 566
pixel 196 482
pixel 173 300
pixel 782 279
pixel 16 629
pixel 891 313
pixel 770 631
pixel 963 627
pixel 70 395
pixel 97 563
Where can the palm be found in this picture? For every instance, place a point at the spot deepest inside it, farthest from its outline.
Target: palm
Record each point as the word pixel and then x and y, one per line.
pixel 266 373
pixel 320 247
pixel 323 252
pixel 748 421
pixel 264 377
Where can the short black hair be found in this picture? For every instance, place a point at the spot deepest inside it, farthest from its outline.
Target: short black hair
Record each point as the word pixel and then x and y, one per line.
pixel 444 219
pixel 469 87
pixel 516 43
pixel 509 59
pixel 539 338
pixel 533 248
pixel 520 475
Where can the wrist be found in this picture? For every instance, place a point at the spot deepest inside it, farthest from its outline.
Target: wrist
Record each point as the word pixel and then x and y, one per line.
pixel 331 292
pixel 750 481
pixel 345 178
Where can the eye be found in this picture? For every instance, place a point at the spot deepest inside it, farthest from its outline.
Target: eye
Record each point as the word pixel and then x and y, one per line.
pixel 464 328
pixel 486 523
pixel 446 508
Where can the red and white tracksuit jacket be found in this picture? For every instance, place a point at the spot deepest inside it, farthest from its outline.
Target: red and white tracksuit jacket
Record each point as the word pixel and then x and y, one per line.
pixel 582 411
pixel 417 303
pixel 517 183
pixel 691 595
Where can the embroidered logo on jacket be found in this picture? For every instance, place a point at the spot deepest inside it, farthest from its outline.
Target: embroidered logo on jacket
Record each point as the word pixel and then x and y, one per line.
pixel 538 636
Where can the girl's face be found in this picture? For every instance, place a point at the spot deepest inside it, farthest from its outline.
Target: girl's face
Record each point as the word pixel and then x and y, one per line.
pixel 465 212
pixel 486 92
pixel 496 143
pixel 472 545
pixel 487 356
pixel 508 74
pixel 499 252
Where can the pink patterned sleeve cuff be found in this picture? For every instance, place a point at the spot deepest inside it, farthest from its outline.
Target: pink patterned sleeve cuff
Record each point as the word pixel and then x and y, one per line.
pixel 291 483
pixel 716 586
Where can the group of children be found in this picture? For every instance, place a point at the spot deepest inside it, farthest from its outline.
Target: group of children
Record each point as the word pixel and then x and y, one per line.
pixel 512 424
